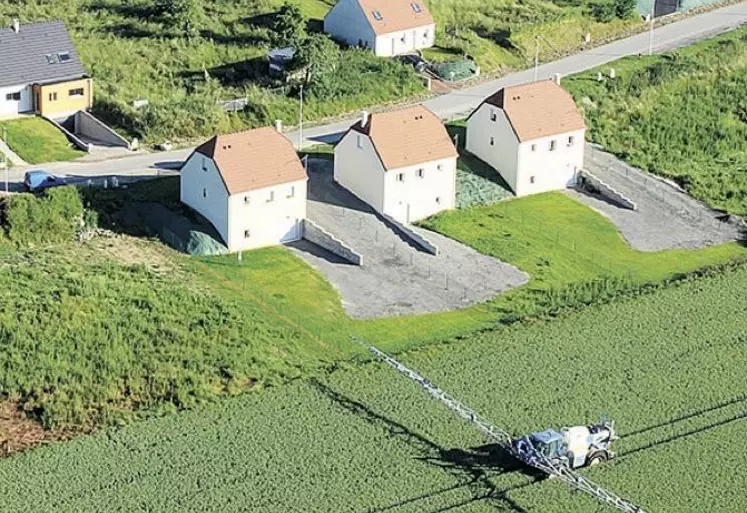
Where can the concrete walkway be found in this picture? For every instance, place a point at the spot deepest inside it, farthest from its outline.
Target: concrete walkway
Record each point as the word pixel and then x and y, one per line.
pixel 396 278
pixel 667 218
pixel 14 158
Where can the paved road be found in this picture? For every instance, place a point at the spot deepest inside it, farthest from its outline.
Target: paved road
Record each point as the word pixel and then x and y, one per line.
pixel 454 104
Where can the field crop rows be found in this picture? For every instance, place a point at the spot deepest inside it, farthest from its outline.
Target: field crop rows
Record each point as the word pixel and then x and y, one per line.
pixel 669 367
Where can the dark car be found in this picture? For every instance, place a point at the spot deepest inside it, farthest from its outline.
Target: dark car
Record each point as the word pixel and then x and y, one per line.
pixel 415 61
pixel 38 180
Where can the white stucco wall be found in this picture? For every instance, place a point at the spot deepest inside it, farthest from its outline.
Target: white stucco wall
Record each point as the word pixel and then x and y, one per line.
pixel 272 215
pixel 503 154
pixel 359 169
pixel 346 22
pixel 204 192
pixel 12 107
pixel 542 170
pixel 414 197
pixel 529 167
pixel 395 43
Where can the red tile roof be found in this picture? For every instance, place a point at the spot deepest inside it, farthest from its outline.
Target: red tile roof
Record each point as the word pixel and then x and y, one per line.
pixel 254 159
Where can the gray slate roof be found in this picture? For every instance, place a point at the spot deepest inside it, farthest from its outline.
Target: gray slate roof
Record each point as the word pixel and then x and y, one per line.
pixel 23 56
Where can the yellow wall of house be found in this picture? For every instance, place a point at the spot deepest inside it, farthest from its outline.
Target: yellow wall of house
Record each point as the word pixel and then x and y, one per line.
pixel 55 99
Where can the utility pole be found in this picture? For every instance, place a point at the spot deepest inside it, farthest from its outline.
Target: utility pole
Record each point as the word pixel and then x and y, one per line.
pixel 536 58
pixel 300 122
pixel 651 30
pixel 6 161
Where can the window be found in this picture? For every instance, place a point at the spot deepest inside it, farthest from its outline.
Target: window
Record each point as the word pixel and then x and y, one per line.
pixel 52 58
pixel 493 115
pixel 204 193
pixel 420 173
pixel 246 200
pixel 425 34
pixel 492 141
pixel 63 57
pixel 76 92
pixel 377 16
pixel 52 97
pixel 204 164
pixel 400 177
pixel 531 179
pixel 292 191
pixel 440 167
pixel 438 200
pixel 271 198
pixel 552 145
pixel 403 38
pixel 15 97
pixel 534 147
pixel 247 234
pixel 416 8
pixel 360 141
pixel 570 140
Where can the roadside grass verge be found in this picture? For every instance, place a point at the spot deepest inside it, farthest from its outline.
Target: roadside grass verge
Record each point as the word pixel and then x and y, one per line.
pixel 36 140
pixel 680 115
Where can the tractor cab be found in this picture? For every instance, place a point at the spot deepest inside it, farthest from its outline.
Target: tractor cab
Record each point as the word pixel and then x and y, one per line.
pixel 549 443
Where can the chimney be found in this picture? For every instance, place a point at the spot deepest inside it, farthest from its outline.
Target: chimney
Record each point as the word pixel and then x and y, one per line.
pixel 556 78
pixel 16 25
pixel 364 118
pixel 279 126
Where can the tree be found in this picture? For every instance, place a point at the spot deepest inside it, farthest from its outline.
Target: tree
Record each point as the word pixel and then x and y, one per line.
pixel 624 8
pixel 319 56
pixel 183 15
pixel 289 27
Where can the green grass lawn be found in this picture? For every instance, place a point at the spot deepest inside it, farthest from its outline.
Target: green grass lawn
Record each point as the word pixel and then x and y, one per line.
pixel 680 115
pixel 668 367
pixel 36 140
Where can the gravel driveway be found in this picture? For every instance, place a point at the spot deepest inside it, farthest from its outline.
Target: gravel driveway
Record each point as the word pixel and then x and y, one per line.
pixel 396 278
pixel 666 218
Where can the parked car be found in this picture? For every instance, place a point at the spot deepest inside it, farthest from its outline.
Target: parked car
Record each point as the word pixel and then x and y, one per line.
pixel 38 180
pixel 415 61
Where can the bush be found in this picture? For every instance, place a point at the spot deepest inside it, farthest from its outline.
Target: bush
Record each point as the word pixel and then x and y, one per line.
pixel 56 216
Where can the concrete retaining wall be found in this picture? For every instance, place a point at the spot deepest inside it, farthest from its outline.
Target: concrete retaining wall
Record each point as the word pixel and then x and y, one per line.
pixel 324 239
pixel 589 181
pixel 90 127
pixel 71 136
pixel 412 235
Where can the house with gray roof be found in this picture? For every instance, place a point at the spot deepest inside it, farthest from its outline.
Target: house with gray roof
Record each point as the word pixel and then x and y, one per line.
pixel 41 71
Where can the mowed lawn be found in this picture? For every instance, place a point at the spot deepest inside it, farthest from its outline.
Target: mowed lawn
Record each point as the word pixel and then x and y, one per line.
pixel 557 240
pixel 36 140
pixel 668 367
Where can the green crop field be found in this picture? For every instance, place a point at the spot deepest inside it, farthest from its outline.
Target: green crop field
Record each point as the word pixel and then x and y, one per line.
pixel 667 366
pixel 133 52
pixel 682 115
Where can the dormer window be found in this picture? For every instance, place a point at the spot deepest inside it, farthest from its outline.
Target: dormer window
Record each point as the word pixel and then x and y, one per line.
pixel 416 8
pixel 377 16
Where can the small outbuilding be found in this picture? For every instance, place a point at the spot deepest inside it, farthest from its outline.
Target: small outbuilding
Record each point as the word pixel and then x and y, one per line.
pixel 250 185
pixel 388 27
pixel 279 59
pixel 532 134
pixel 402 163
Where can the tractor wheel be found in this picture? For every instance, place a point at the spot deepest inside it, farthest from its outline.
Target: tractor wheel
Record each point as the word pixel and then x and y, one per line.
pixel 597 458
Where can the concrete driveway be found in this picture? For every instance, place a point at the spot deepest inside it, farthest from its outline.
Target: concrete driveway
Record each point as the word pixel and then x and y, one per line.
pixel 396 278
pixel 667 218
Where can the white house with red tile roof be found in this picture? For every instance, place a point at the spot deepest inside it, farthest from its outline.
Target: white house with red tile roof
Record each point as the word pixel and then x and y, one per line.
pixel 532 134
pixel 402 163
pixel 250 185
pixel 388 27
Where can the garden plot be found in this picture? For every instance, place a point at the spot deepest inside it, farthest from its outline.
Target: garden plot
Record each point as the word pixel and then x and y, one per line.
pixel 396 278
pixel 666 218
